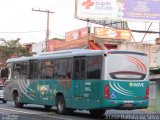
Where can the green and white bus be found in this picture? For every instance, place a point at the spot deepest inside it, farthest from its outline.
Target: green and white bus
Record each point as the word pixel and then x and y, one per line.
pixel 79 79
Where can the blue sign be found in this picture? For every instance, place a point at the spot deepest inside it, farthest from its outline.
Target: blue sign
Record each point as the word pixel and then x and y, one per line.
pixel 113 96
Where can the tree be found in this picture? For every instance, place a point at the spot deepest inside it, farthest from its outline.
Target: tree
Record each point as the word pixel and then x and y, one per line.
pixel 10 48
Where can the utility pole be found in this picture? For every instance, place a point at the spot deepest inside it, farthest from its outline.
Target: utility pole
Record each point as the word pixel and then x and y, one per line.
pixel 47 30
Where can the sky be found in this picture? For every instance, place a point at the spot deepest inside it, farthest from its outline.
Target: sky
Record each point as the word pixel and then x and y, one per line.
pixel 17 20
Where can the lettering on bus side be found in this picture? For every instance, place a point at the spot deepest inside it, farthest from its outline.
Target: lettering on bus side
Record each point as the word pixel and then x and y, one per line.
pixel 131 84
pixel 87 86
pixel 88 89
pixel 128 101
pixel 88 83
pixel 86 95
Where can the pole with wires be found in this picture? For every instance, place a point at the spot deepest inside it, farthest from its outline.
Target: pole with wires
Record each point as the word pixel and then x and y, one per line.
pixel 47 30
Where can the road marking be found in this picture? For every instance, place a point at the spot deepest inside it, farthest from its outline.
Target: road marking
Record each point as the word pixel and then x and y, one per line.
pixel 35 114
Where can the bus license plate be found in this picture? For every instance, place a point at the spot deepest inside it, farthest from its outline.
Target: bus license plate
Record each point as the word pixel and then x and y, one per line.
pixel 128 105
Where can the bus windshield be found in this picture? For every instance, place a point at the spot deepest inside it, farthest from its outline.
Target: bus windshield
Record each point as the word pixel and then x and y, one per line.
pixel 127 66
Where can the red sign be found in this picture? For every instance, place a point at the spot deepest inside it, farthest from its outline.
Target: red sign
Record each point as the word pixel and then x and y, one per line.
pixel 111 33
pixel 53 43
pixel 77 34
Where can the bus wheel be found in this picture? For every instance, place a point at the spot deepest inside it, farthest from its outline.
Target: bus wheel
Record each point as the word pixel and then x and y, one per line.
pixel 61 108
pixel 17 103
pixel 97 112
pixel 47 107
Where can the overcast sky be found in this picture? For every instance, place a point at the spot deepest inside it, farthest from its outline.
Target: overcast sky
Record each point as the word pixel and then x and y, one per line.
pixel 17 20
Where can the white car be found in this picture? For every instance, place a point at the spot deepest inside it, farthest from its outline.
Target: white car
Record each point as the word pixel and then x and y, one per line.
pixel 1 94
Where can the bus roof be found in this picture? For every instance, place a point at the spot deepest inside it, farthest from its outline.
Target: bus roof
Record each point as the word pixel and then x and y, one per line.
pixel 69 53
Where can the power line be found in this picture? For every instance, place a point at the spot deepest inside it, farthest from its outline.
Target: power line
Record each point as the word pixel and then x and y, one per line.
pixel 57 34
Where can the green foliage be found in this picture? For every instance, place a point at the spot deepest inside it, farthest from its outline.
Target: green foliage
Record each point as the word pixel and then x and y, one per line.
pixel 11 48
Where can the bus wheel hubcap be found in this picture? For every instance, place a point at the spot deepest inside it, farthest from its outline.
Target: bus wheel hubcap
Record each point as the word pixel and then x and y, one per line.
pixel 60 106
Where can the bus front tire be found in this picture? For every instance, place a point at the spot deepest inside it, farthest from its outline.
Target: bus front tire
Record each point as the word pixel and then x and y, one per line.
pixel 17 103
pixel 61 108
pixel 97 112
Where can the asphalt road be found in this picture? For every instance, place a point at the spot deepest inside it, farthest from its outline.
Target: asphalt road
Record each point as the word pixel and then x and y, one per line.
pixel 37 112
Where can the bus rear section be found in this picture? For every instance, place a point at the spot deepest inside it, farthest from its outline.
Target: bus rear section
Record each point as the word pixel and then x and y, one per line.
pixel 126 81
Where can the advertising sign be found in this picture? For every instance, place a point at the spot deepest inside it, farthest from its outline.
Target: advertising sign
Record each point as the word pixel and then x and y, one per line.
pixel 53 43
pixel 77 34
pixel 97 9
pixel 110 33
pixel 145 10
pixel 142 9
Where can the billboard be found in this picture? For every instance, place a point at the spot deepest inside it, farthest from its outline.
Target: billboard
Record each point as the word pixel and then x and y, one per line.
pixel 77 34
pixel 110 33
pixel 142 9
pixel 145 10
pixel 97 9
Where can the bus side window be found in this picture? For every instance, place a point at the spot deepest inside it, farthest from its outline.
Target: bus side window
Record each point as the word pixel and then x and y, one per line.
pixel 56 67
pixel 94 65
pixel 24 69
pixel 47 69
pixel 33 69
pixel 16 70
pixel 69 69
pixel 62 69
pixel 83 68
pixel 79 68
pixel 43 69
